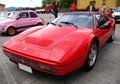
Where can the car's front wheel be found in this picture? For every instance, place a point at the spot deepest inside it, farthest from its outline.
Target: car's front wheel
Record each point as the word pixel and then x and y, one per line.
pixel 11 31
pixel 91 57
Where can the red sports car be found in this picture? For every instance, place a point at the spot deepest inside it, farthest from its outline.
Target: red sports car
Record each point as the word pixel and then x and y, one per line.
pixel 69 42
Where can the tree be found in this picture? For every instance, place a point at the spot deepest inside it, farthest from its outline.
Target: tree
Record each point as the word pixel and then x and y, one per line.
pixel 62 3
pixel 43 3
pixel 65 3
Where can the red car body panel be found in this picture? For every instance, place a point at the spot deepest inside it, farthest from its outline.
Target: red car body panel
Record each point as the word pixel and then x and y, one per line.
pixel 63 49
pixel 53 46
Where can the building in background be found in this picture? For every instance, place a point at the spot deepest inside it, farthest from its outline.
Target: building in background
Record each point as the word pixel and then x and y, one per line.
pixel 2 7
pixel 82 4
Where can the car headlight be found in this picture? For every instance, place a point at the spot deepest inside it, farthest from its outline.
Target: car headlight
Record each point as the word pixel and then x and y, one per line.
pixel 46 68
pixel 2 26
pixel 7 54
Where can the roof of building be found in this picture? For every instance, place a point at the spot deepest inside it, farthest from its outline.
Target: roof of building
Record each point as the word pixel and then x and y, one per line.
pixel 2 4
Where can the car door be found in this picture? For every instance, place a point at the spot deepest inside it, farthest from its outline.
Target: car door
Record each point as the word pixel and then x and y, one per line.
pixel 104 32
pixel 23 20
pixel 34 18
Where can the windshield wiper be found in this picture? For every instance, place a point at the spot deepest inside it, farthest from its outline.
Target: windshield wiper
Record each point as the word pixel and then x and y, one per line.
pixel 52 23
pixel 70 24
pixel 55 24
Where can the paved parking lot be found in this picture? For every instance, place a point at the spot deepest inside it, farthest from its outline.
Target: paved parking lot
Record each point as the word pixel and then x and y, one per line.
pixel 106 71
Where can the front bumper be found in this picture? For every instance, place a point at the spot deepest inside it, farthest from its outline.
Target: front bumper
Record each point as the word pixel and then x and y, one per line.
pixel 117 18
pixel 43 65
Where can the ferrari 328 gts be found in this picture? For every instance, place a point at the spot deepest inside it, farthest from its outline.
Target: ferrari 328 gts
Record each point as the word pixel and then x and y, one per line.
pixel 69 42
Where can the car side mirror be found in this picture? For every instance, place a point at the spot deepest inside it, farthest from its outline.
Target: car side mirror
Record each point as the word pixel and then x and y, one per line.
pixel 47 23
pixel 105 26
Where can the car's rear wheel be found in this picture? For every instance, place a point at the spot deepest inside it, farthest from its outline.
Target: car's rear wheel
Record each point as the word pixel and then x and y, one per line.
pixel 39 24
pixel 91 57
pixel 11 31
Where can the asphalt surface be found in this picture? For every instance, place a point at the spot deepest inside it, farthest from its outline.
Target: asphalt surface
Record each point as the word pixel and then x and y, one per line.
pixel 106 71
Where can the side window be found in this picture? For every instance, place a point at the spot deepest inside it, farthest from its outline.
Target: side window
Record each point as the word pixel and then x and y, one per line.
pixel 97 23
pixel 105 18
pixel 100 20
pixel 33 15
pixel 24 15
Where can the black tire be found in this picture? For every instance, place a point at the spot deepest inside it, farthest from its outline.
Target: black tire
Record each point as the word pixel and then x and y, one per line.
pixel 39 24
pixel 115 20
pixel 11 31
pixel 91 56
pixel 112 37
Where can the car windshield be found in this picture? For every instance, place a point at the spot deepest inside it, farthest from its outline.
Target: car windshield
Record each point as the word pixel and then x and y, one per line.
pixel 4 14
pixel 13 14
pixel 118 9
pixel 82 20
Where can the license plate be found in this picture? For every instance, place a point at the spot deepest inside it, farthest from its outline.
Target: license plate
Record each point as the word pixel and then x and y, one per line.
pixel 25 68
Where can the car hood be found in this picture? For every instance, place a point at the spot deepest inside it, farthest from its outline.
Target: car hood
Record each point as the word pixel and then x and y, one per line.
pixel 116 13
pixel 47 36
pixel 6 20
pixel 49 43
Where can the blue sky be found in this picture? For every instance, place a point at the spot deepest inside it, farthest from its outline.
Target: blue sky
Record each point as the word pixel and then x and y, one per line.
pixel 21 3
